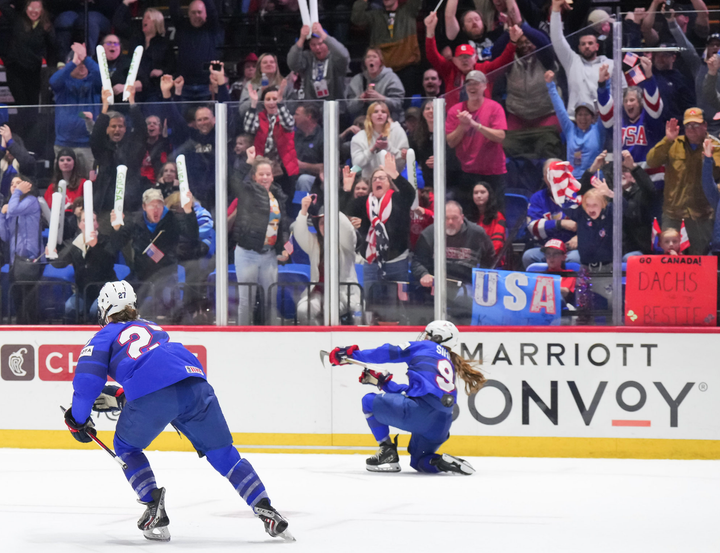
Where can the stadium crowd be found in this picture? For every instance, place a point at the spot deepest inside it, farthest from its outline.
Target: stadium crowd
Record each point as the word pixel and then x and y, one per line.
pixel 529 115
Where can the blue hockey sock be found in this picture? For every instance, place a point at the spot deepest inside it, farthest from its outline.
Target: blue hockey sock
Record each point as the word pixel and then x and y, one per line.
pixel 379 430
pixel 239 472
pixel 139 474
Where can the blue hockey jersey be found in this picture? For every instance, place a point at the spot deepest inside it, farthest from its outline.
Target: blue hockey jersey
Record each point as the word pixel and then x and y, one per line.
pixel 430 370
pixel 138 355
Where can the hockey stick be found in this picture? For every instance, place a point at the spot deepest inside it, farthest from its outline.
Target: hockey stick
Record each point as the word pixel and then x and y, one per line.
pixel 103 446
pixel 325 355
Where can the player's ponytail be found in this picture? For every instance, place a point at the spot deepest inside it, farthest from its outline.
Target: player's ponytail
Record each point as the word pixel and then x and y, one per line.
pixel 126 315
pixel 474 379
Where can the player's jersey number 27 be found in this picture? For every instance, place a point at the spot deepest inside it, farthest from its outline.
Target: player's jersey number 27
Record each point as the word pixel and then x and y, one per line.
pixel 138 340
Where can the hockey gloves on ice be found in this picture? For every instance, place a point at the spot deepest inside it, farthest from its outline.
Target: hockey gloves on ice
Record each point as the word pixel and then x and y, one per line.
pixel 81 432
pixel 112 398
pixel 338 356
pixel 375 378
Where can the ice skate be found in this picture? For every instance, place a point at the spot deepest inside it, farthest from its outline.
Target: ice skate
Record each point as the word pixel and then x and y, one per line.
pixel 154 522
pixel 386 459
pixel 275 524
pixel 448 463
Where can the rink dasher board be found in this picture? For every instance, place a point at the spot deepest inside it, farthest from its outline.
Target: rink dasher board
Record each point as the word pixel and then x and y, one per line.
pixel 589 392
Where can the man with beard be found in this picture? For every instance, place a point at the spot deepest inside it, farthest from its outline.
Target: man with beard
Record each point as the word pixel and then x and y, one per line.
pixel 431 88
pixel 581 69
pixel 470 27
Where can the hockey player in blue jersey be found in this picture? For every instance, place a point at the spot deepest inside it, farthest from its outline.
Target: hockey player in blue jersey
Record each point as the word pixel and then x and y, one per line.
pixel 163 383
pixel 424 406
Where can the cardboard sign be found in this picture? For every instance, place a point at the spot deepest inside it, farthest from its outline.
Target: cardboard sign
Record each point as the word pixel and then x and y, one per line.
pixel 514 298
pixel 671 290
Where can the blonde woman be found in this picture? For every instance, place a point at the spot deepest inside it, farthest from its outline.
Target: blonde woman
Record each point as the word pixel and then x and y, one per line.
pixel 376 83
pixel 158 56
pixel 380 134
pixel 267 73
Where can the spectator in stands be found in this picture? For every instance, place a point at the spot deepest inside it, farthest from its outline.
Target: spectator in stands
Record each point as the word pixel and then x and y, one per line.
pixel 595 227
pixel 242 160
pixel 195 140
pixel 486 215
pixel 157 149
pixel 246 68
pixel 471 27
pixel 476 129
pixel 670 241
pixel 72 21
pixel 352 187
pixel 712 193
pixel 586 135
pixel 77 88
pixel 20 230
pixel 582 69
pixel 67 168
pixel 308 144
pixel 655 30
pixel 421 141
pixel 526 103
pixel 260 230
pixel 168 182
pixel 274 130
pixel 375 83
pixel 431 88
pixel 555 256
pixel 709 94
pixel 454 72
pixel 393 31
pixel 676 91
pixel 267 74
pixel 33 39
pixel 310 306
pixel 197 39
pixel 155 234
pixel 467 246
pixel 348 134
pixel 158 57
pixel 194 254
pixel 114 144
pixel 118 65
pixel 683 194
pixel 14 160
pixel 642 117
pixel 545 220
pixel 94 265
pixel 381 133
pixel 323 67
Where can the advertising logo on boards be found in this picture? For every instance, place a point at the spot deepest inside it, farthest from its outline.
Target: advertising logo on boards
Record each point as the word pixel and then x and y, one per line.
pixel 17 362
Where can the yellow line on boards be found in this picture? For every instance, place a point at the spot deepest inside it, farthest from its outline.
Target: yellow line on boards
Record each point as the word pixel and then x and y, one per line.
pixel 483 446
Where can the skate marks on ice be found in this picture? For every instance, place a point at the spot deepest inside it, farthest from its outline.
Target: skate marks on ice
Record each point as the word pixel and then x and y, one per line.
pixel 70 501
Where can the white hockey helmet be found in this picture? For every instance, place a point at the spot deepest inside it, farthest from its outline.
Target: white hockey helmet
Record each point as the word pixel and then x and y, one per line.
pixel 113 298
pixel 442 332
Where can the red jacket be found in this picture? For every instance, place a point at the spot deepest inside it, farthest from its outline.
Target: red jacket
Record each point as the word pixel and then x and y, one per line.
pixel 454 78
pixel 284 142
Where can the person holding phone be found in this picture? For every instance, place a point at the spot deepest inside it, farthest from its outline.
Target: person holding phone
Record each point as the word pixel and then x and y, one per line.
pixel 381 134
pixel 376 83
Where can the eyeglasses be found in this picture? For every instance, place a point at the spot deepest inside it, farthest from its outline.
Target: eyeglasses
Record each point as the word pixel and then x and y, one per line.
pixel 111 44
pixel 693 126
pixel 380 178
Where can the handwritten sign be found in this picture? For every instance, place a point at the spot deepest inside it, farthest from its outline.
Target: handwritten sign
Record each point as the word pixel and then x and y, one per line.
pixel 514 298
pixel 671 290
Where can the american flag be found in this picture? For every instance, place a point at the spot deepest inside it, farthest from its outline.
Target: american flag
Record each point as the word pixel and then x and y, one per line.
pixel 402 291
pixel 563 185
pixel 631 59
pixel 635 76
pixel 154 253
pixel 289 247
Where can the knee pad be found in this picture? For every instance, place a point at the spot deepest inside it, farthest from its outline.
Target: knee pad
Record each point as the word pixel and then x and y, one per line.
pixel 367 402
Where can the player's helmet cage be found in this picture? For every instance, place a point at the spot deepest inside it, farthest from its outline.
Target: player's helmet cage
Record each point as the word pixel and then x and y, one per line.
pixel 113 298
pixel 442 332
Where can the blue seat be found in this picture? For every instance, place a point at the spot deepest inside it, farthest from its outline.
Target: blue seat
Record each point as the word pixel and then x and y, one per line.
pixel 288 296
pixel 122 271
pixel 56 287
pixel 542 267
pixel 516 206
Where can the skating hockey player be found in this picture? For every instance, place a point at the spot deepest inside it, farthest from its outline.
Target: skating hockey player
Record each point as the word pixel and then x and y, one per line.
pixel 163 384
pixel 424 406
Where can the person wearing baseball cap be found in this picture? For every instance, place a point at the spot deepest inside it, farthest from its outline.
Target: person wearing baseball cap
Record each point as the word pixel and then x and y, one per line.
pixel 682 156
pixel 453 72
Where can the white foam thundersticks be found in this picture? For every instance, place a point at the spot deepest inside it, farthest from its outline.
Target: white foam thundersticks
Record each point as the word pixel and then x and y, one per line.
pixel 62 188
pixel 88 210
pixel 183 179
pixel 119 195
pixel 104 72
pixel 132 72
pixel 57 205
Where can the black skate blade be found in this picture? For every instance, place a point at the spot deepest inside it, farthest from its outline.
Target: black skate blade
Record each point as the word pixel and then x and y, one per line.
pixel 386 467
pixel 457 465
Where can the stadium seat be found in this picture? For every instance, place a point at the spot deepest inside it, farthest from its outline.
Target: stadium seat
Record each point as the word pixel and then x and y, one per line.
pixel 516 206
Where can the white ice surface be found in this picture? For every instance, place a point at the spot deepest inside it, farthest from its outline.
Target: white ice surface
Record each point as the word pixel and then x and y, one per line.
pixel 78 501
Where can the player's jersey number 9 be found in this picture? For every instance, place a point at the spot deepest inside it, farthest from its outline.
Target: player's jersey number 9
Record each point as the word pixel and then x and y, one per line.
pixel 446 379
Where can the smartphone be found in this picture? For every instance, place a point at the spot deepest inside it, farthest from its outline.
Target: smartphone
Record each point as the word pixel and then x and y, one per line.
pixel 314 198
pixel 215 66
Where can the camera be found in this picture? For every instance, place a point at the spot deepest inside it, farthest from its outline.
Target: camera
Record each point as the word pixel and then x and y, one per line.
pixel 215 66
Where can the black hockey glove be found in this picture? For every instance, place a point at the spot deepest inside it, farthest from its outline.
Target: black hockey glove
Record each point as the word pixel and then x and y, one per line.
pixel 375 378
pixel 112 398
pixel 81 432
